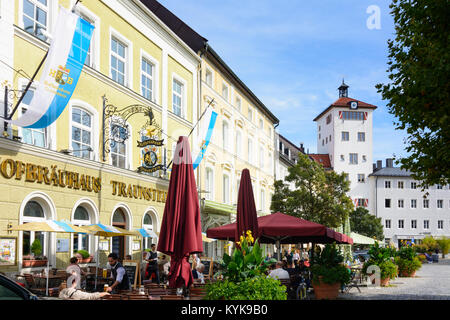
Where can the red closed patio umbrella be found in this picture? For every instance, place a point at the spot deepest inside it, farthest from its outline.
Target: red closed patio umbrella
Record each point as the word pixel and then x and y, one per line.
pixel 246 218
pixel 181 233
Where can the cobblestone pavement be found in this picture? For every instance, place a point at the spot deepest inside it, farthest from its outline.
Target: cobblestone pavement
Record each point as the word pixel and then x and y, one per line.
pixel 432 282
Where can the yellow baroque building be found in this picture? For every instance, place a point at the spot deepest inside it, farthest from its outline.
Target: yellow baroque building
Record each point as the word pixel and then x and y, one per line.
pixel 87 166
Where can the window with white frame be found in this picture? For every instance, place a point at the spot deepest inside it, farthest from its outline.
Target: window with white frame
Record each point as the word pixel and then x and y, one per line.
pixel 440 203
pixel 33 212
pixel 225 135
pixel 250 150
pixel 361 136
pixel 440 224
pixel 35 17
pixel 209 184
pixel 238 144
pixel 401 203
pixel 226 189
pixel 400 184
pixel 88 47
pixel 353 158
pixel 147 69
pixel 413 185
pixel 118 147
pixel 413 224
pixel 238 103
pixel 261 124
pixel 401 224
pixel 261 158
pixel 225 91
pixel 387 224
pixel 387 184
pixel 345 136
pixel 426 224
pixel 81 217
pixel 147 224
pixel 81 140
pixel 413 203
pixel 177 97
pixel 37 137
pixel 250 114
pixel 387 203
pixel 426 203
pixel 208 77
pixel 262 200
pixel 118 61
pixel 361 177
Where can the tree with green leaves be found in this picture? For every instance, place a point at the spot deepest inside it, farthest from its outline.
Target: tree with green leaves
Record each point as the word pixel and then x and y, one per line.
pixel 319 195
pixel 418 93
pixel 362 222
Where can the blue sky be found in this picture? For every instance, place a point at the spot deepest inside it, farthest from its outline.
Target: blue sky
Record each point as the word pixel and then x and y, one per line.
pixel 293 55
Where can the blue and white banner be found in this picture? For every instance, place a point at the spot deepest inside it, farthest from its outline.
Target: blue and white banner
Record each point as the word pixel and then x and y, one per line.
pixel 66 56
pixel 207 133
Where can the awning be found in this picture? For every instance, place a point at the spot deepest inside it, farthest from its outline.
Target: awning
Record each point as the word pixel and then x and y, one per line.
pixel 147 233
pixel 361 239
pixel 214 207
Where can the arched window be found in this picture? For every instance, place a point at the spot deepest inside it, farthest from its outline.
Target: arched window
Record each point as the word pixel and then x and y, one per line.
pixel 81 217
pixel 33 212
pixel 148 225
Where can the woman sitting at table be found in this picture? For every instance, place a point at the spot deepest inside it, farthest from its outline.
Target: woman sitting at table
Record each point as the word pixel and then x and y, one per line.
pixel 73 293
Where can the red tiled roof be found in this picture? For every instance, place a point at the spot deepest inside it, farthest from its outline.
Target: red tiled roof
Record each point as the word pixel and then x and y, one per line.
pixel 345 102
pixel 323 159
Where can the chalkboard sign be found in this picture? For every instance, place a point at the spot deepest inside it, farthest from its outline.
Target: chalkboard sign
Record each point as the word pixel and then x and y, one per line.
pixel 208 263
pixel 133 271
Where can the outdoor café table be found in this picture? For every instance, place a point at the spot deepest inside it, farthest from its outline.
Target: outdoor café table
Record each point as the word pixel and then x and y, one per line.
pixel 54 280
pixel 358 271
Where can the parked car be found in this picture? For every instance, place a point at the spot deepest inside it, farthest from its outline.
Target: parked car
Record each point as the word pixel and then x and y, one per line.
pixel 11 290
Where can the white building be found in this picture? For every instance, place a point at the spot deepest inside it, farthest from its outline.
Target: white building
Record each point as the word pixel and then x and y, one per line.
pixel 344 133
pixel 406 211
pixel 286 157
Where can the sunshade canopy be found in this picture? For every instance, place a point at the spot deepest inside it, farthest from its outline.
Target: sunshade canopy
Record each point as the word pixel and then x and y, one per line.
pixel 286 229
pixel 147 233
pixel 246 217
pixel 361 239
pixel 108 231
pixel 49 226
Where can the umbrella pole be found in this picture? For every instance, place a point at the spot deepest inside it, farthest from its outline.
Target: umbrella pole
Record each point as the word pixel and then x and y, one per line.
pixel 96 265
pixel 278 244
pixel 48 262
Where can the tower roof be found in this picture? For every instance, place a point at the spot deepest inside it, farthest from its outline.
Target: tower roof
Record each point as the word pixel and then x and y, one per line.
pixel 345 102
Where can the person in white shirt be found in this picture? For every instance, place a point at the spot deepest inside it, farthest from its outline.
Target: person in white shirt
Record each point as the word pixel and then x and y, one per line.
pixel 279 272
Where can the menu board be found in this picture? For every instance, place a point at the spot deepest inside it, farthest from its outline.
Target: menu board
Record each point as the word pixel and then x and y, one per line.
pixel 8 248
pixel 133 271
pixel 208 263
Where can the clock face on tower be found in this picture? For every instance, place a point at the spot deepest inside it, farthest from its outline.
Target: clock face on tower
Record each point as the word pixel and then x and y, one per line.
pixel 354 105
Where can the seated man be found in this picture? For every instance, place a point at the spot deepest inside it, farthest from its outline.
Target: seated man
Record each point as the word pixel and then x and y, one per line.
pixel 429 258
pixel 198 272
pixel 279 272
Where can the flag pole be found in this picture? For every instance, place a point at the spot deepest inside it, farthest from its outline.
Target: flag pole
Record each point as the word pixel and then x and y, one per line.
pixel 206 109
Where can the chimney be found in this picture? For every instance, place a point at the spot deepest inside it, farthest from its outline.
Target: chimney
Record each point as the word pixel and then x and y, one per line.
pixel 374 167
pixel 379 164
pixel 301 147
pixel 389 163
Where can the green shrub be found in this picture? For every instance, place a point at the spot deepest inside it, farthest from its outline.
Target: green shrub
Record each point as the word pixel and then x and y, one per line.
pixel 444 245
pixel 84 254
pixel 382 257
pixel 255 288
pixel 421 257
pixel 408 266
pixel 36 247
pixel 328 266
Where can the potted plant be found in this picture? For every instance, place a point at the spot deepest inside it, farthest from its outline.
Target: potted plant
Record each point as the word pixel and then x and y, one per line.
pixel 407 261
pixel 243 275
pixel 382 258
pixel 85 255
pixel 36 259
pixel 329 273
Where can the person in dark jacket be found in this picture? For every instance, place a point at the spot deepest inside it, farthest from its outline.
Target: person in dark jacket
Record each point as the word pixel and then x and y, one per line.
pixel 118 273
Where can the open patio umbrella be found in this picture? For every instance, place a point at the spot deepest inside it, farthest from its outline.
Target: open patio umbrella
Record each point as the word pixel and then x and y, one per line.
pixel 281 228
pixel 49 226
pixel 246 218
pixel 206 239
pixel 181 234
pixel 103 230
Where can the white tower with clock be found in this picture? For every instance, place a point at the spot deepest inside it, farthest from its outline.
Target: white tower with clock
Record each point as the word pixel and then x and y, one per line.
pixel 344 132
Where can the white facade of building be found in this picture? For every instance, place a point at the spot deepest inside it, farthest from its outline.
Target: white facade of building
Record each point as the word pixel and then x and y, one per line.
pixel 406 211
pixel 345 133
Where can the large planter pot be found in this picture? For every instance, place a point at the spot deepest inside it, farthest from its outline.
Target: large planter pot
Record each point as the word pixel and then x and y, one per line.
pixel 383 282
pixel 87 260
pixel 326 291
pixel 408 274
pixel 33 263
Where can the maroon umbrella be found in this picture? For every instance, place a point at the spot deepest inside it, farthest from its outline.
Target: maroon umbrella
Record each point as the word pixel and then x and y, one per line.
pixel 246 218
pixel 181 233
pixel 285 229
